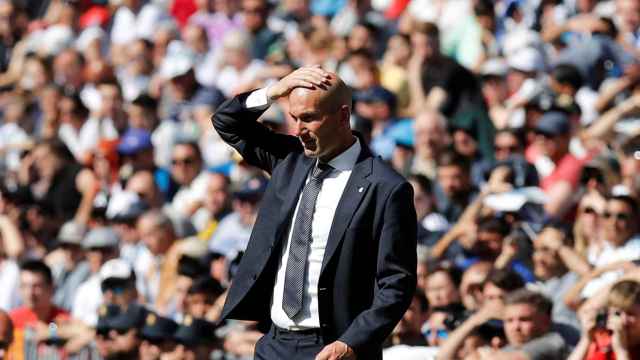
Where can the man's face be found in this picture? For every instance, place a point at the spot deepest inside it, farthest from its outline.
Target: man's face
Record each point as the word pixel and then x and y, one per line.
pixel 254 12
pixel 185 164
pixel 183 283
pixel 440 290
pixel 505 145
pixel 217 194
pixel 523 323
pixel 488 244
pixel 430 136
pixel 105 346
pixel 453 180
pixel 412 320
pixel 546 263
pixel 34 290
pixel 153 236
pixel 111 100
pixel 198 305
pixel 491 292
pixel 96 257
pixel 555 147
pixel 154 350
pixel 316 124
pixel 619 223
pixel 125 342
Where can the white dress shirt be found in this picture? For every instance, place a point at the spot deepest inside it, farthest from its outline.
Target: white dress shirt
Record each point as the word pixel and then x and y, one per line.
pixel 332 188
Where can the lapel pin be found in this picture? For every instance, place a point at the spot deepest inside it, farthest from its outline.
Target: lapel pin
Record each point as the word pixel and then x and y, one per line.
pixel 360 189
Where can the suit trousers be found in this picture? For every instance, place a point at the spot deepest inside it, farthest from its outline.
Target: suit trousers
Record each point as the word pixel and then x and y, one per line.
pixel 289 345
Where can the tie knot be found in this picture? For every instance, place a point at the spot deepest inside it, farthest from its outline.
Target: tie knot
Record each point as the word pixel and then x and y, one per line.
pixel 321 170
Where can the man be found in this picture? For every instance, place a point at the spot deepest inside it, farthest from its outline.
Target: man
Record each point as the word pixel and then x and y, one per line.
pixel 194 339
pixel 356 282
pixel 157 337
pixel 38 312
pixel 527 325
pixel 125 331
pixel 233 232
pixel 431 138
pixel 187 171
pixel 101 245
pixel 455 190
pixel 71 269
pixel 216 205
pixel 408 330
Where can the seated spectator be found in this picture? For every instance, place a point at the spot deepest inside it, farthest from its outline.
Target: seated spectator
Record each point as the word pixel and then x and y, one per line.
pixel 616 334
pixel 557 268
pixel 157 337
pixel 472 283
pixel 456 190
pixel 527 326
pixel 101 245
pixel 125 331
pixel 194 339
pixel 32 320
pixel 622 244
pixel 70 269
pixel 409 330
pixel 499 283
pixel 104 343
pixel 202 297
pixel 187 172
pixel 442 286
pixel 431 224
pixel 232 234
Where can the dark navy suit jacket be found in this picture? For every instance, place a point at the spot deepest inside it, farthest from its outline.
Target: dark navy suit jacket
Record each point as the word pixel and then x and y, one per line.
pixel 368 274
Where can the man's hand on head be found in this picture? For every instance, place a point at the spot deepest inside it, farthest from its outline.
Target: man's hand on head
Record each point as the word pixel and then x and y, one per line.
pixel 307 77
pixel 337 350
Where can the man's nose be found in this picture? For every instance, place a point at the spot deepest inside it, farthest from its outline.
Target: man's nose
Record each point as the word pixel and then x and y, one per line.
pixel 299 128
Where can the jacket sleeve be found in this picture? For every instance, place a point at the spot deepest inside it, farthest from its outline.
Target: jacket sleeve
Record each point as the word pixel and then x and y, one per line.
pixel 258 145
pixel 395 273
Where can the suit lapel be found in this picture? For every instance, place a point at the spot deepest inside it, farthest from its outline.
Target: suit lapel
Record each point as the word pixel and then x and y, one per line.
pixel 354 192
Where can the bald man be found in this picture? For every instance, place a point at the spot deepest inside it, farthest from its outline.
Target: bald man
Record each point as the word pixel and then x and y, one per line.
pixel 331 264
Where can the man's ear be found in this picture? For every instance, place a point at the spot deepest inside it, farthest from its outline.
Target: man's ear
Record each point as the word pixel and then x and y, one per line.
pixel 345 115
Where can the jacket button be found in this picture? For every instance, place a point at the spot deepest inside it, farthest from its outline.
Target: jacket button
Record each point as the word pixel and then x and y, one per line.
pixel 323 325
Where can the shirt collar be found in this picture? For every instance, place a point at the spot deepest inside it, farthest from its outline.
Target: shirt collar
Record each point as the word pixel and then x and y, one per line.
pixel 347 159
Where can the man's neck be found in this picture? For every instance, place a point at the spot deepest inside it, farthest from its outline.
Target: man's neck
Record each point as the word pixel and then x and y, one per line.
pixel 346 144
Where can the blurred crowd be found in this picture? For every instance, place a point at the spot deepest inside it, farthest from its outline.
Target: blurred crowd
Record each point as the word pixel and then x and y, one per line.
pixel 123 215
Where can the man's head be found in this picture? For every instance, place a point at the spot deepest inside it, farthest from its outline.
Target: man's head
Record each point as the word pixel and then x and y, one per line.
pixel 431 135
pixel 453 174
pixel 156 337
pixel 217 198
pixel 620 219
pixel 553 133
pixel 36 285
pixel 101 245
pixel 125 330
pixel 490 236
pixel 202 295
pixel 425 39
pixel 186 162
pixel 194 338
pixel 118 283
pixel 566 79
pixel 624 302
pixel 471 284
pixel 255 14
pixel 412 320
pixel 6 333
pixel 506 143
pixel 189 269
pixel 156 231
pixel 499 283
pixel 546 262
pixel 423 199
pixel 144 184
pixel 527 315
pixel 49 156
pixel 442 286
pixel 321 117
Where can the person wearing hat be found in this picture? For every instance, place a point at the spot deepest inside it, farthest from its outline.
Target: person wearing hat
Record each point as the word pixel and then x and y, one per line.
pixel 125 330
pixel 71 270
pixel 558 168
pixel 195 339
pixel 105 345
pixel 118 283
pixel 233 232
pixel 377 106
pixel 123 211
pixel 157 337
pixel 101 245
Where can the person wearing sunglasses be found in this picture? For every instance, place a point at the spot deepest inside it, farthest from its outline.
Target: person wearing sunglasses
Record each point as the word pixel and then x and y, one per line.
pixel 622 244
pixel 187 172
pixel 125 331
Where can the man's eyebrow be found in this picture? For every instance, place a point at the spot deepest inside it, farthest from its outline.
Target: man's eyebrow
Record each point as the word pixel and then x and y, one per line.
pixel 304 115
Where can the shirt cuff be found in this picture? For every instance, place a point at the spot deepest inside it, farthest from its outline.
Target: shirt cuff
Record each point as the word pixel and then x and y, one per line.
pixel 257 98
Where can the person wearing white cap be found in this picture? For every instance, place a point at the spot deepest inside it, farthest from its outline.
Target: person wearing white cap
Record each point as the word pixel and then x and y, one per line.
pixel 101 245
pixel 67 264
